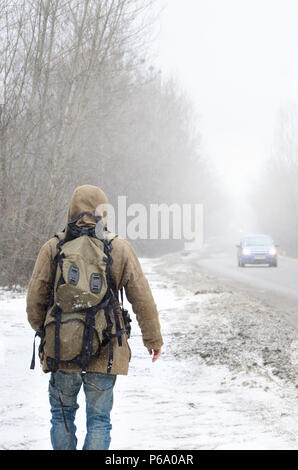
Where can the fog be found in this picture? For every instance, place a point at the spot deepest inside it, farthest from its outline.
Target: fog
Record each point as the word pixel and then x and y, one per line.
pixel 157 101
pixel 238 61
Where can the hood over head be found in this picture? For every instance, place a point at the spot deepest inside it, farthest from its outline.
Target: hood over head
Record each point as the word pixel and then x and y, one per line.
pixel 88 198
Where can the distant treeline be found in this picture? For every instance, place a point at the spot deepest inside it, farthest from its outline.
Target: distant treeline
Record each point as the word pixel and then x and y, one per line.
pixel 276 195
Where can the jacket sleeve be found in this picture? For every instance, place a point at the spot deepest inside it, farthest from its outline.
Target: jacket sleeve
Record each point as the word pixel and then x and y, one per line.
pixel 139 294
pixel 39 288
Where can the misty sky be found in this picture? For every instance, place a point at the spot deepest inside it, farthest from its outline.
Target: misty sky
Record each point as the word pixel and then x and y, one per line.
pixel 238 59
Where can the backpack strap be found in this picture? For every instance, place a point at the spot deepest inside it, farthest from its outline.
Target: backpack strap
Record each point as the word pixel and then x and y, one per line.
pixel 108 335
pixel 107 249
pixel 112 306
pixel 58 312
pixel 81 215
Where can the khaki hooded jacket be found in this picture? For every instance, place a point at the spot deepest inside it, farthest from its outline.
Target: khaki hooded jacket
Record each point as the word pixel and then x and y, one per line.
pixel 125 271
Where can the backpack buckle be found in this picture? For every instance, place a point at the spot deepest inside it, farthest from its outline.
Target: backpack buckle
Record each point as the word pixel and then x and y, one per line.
pixel 73 275
pixel 95 283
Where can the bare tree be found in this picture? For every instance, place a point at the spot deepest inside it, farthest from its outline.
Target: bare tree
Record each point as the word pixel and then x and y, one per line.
pixel 82 104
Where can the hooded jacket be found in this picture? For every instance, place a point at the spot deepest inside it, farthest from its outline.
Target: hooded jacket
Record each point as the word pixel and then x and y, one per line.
pixel 125 271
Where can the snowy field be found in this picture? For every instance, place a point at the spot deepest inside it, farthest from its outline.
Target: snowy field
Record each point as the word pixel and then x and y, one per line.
pixel 209 390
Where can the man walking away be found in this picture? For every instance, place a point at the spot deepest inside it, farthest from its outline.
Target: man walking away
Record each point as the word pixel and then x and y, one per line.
pixel 73 305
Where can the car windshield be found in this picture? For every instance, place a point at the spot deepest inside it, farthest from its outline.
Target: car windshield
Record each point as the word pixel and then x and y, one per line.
pixel 257 241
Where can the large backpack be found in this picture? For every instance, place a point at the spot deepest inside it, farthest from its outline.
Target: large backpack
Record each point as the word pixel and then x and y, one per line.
pixel 83 313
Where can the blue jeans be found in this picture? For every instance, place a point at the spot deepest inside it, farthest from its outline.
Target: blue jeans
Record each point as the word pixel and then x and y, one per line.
pixel 63 394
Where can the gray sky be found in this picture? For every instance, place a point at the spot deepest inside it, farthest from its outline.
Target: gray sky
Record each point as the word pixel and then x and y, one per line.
pixel 238 60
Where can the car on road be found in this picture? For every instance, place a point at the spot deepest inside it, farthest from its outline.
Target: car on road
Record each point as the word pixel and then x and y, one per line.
pixel 257 249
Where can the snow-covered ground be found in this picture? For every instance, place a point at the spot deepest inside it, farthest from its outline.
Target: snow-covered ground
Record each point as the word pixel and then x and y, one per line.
pixel 223 381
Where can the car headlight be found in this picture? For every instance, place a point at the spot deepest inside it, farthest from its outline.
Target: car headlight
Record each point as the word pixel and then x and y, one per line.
pixel 246 251
pixel 272 251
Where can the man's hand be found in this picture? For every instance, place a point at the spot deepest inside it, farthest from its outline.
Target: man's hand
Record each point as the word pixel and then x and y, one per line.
pixel 156 353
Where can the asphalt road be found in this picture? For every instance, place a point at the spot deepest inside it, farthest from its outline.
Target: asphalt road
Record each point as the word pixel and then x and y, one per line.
pixel 278 287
